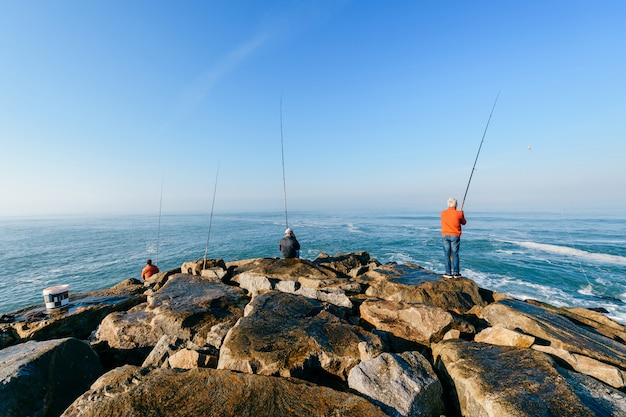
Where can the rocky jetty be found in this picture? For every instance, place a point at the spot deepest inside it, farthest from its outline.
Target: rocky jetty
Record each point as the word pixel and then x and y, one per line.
pixel 340 335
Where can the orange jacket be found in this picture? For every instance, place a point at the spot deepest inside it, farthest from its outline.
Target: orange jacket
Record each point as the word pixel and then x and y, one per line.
pixel 148 271
pixel 451 221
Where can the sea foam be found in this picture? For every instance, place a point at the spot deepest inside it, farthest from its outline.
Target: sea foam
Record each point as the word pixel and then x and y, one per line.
pixel 602 258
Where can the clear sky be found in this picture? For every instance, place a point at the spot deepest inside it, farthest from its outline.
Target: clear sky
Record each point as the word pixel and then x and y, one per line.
pixel 384 104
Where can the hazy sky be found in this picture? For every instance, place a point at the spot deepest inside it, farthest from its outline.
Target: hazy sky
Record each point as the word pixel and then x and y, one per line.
pixel 384 104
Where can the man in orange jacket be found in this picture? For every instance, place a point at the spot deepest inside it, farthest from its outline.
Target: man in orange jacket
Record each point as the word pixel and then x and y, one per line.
pixel 149 270
pixel 451 221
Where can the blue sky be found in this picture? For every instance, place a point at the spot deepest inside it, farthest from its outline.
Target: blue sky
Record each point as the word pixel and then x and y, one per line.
pixel 384 104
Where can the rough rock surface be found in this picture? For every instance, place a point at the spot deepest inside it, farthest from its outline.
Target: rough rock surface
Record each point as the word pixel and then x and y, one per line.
pixel 289 335
pixel 43 378
pixel 507 381
pixel 351 264
pixel 305 272
pixel 196 267
pixel 560 332
pixel 402 384
pixel 137 392
pixel 504 337
pixel 187 307
pixel 413 284
pixel 410 322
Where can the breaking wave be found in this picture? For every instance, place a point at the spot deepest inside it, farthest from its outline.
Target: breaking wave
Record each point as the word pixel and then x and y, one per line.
pixel 602 258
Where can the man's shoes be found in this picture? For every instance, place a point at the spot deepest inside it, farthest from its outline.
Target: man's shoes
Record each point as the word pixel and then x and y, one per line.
pixel 456 275
pixel 447 276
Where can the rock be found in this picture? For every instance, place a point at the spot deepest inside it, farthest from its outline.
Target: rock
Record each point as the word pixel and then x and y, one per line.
pixel 592 319
pixel 497 381
pixel 128 329
pixel 410 322
pixel 402 384
pixel 504 337
pixel 334 296
pixel 452 334
pixel 350 264
pixel 305 272
pixel 130 391
pixel 214 274
pixel 218 332
pixel 413 284
pixel 81 317
pixel 187 308
pixel 608 374
pixel 188 359
pixel 293 336
pixel 164 348
pixel 558 331
pixel 196 267
pixel 43 378
pixel 591 391
pixel 295 276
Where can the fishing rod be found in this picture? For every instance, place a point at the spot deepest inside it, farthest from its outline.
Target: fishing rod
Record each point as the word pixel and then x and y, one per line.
pixel 479 148
pixel 159 228
pixel 206 249
pixel 282 147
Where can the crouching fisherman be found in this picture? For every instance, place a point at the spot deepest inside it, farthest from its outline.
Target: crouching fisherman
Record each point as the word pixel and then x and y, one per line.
pixel 149 270
pixel 289 245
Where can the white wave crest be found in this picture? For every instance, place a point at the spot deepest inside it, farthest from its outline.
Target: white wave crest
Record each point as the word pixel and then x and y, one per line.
pixel 586 290
pixel 603 258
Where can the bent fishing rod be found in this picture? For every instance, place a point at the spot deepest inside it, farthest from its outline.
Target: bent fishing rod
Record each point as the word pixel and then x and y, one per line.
pixel 479 148
pixel 206 249
pixel 282 148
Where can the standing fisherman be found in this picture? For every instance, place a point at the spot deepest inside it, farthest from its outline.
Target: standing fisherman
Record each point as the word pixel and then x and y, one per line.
pixel 451 221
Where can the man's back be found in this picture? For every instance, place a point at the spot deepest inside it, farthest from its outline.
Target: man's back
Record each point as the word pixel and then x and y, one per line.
pixel 148 271
pixel 451 221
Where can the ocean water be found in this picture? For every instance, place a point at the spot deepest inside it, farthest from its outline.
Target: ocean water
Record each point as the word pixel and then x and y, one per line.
pixel 565 261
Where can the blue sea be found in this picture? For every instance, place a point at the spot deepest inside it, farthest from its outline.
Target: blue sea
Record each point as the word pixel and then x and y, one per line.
pixel 563 260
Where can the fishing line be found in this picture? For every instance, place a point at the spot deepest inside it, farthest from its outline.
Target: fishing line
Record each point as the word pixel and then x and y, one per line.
pixel 479 148
pixel 571 240
pixel 206 249
pixel 159 228
pixel 282 147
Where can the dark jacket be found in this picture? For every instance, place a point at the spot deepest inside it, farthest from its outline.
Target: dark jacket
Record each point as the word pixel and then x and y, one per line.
pixel 289 247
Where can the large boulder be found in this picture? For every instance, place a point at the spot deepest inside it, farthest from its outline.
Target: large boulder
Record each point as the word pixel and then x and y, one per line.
pixel 594 320
pixel 608 374
pixel 136 392
pixel 43 378
pixel 82 315
pixel 289 335
pixel 413 284
pixel 402 384
pixel 558 331
pixel 410 322
pixel 186 307
pixel 497 381
pixel 351 264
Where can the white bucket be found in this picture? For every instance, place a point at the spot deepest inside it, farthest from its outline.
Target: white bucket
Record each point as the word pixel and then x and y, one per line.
pixel 56 297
